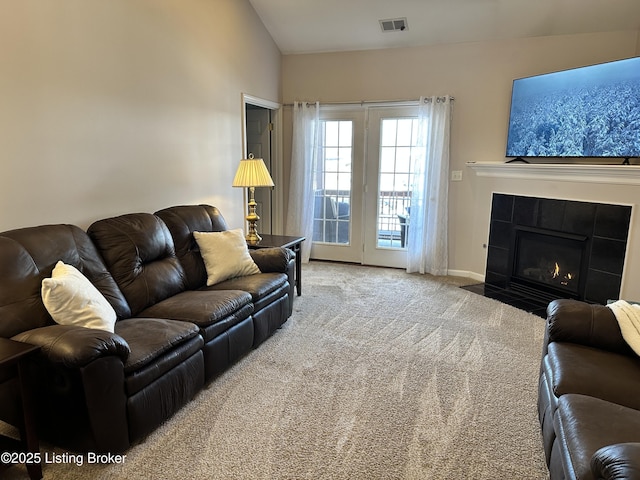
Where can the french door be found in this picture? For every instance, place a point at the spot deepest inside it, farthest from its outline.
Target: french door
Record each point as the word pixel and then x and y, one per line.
pixel 363 185
pixel 391 143
pixel 337 218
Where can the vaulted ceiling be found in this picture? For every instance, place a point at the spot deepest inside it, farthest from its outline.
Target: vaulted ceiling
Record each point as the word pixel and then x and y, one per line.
pixel 310 26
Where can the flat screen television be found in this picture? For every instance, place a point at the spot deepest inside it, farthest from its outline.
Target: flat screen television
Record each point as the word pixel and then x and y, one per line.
pixel 590 112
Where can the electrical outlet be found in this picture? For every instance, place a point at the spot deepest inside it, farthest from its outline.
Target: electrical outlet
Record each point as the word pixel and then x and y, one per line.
pixel 456 176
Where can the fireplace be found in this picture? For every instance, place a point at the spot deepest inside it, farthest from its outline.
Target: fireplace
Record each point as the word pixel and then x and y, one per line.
pixel 541 249
pixel 549 261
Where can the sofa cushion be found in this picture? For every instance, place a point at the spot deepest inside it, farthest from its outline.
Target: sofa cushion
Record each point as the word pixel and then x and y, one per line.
pixel 573 368
pixel 202 308
pixel 258 286
pixel 148 338
pixel 585 424
pixel 71 299
pixel 157 345
pixel 28 255
pixel 592 325
pixel 138 250
pixel 182 221
pixel 225 255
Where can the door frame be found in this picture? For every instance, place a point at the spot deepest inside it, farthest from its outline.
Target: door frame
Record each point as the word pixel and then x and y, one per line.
pixel 277 205
pixel 365 184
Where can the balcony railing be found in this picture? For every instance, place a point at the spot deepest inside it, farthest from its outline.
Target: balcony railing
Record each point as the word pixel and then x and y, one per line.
pixel 393 214
pixel 332 216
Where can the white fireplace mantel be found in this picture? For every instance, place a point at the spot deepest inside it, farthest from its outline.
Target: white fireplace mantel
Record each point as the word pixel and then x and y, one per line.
pixel 605 174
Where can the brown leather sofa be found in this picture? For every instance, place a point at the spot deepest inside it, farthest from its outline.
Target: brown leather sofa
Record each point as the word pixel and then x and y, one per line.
pixel 102 391
pixel 589 395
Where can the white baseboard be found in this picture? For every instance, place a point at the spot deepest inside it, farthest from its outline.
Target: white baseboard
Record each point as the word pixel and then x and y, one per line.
pixel 463 273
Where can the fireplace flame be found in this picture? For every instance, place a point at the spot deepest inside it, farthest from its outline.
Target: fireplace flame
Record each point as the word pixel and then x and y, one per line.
pixel 556 274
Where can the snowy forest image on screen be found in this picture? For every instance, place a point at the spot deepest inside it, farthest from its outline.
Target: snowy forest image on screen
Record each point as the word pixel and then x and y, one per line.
pixel 591 111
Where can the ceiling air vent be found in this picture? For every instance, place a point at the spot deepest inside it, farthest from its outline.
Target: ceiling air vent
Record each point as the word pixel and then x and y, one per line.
pixel 394 25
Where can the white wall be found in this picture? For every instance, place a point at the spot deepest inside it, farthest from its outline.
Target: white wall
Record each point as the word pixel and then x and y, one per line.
pixel 479 76
pixel 116 106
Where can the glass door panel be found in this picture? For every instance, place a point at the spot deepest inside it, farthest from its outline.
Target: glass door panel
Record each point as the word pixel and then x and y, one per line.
pixel 332 195
pixel 337 193
pixel 392 139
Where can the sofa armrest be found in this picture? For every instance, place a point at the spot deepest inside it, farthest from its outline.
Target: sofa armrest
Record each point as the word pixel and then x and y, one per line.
pixel 586 324
pixel 273 259
pixel 619 461
pixel 75 346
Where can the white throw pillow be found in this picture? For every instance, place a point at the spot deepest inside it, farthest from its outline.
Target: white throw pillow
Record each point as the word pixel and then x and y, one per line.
pixel 71 299
pixel 225 255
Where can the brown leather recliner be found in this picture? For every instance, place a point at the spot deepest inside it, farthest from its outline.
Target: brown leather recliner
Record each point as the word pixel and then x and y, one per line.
pixel 92 386
pixel 233 316
pixel 272 291
pixel 101 391
pixel 589 395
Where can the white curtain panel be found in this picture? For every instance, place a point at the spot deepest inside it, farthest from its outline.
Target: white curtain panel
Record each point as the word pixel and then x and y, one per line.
pixel 306 129
pixel 427 247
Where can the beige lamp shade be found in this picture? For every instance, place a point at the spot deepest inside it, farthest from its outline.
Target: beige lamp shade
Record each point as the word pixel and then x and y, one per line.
pixel 252 172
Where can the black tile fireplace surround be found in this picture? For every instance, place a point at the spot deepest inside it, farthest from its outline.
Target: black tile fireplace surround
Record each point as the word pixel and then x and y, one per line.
pixel 541 249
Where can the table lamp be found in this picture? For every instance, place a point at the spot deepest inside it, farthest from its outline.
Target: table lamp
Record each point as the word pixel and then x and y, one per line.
pixel 252 173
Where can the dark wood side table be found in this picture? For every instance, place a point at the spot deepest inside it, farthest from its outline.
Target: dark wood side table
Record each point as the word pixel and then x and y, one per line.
pixel 13 358
pixel 292 243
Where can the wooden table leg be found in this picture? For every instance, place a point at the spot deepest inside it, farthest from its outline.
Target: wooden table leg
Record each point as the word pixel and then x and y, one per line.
pixel 30 433
pixel 298 269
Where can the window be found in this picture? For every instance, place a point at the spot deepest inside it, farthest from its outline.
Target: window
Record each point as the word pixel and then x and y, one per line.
pixel 332 185
pixel 397 141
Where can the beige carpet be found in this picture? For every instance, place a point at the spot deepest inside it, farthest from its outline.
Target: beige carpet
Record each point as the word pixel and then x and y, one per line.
pixel 377 375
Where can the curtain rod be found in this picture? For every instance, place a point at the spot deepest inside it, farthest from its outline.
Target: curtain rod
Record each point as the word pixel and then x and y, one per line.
pixel 370 102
